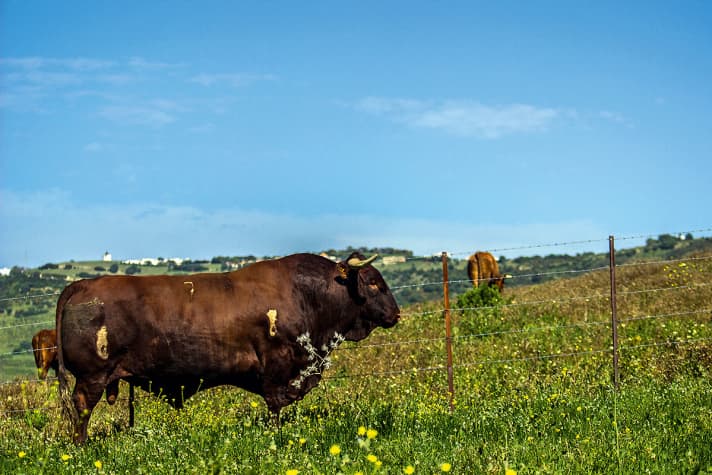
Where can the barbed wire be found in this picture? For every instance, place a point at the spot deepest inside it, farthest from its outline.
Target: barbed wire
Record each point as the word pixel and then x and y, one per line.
pixel 20 352
pixel 663 261
pixel 532 358
pixel 508 277
pixel 667 315
pixel 27 324
pixel 663 343
pixel 24 381
pixel 32 409
pixel 27 297
pixel 530 330
pixel 655 235
pixel 533 246
pixel 663 289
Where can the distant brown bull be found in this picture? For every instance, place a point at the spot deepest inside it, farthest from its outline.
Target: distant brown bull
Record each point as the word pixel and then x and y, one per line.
pixel 482 267
pixel 44 347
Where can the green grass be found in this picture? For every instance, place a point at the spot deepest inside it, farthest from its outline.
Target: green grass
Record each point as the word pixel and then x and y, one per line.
pixel 533 394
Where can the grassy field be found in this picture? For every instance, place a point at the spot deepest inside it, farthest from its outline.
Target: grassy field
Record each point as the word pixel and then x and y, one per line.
pixel 533 394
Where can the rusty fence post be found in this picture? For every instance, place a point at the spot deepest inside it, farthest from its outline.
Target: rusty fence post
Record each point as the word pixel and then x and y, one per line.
pixel 448 332
pixel 614 315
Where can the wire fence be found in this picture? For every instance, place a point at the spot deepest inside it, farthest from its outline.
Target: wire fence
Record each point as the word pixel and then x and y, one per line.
pixel 601 297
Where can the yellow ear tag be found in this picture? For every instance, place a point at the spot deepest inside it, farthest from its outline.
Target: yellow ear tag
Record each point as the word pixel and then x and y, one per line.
pixel 343 272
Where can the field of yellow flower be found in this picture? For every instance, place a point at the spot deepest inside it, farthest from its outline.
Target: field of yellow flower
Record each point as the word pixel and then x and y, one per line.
pixel 533 394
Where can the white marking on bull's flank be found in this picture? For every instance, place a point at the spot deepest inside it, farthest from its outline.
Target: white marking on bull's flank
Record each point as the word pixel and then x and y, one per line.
pixel 191 290
pixel 272 317
pixel 102 343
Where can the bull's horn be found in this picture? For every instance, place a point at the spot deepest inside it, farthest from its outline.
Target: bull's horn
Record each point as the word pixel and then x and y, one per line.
pixel 508 276
pixel 356 263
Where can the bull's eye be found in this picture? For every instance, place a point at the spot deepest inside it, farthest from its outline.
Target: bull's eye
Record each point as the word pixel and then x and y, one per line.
pixel 373 287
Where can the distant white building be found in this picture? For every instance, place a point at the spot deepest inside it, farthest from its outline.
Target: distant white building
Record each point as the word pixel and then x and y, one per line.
pixel 5 271
pixel 333 258
pixel 107 257
pixel 388 260
pixel 153 261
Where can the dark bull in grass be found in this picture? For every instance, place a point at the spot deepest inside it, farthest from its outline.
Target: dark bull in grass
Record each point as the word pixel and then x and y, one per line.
pixel 267 328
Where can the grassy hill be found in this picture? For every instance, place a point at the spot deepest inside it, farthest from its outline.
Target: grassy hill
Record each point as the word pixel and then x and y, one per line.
pixel 417 280
pixel 532 381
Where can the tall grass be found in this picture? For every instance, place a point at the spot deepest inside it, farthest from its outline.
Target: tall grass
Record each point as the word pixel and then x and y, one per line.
pixel 533 394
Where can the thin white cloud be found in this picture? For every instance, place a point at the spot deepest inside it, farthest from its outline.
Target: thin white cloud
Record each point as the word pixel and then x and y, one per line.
pixel 202 128
pixel 46 79
pixel 75 64
pixel 139 63
pixel 464 118
pixel 615 117
pixel 137 115
pixel 230 79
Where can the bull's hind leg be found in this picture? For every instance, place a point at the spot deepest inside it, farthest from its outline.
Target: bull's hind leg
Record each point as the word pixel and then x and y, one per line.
pixel 112 392
pixel 85 397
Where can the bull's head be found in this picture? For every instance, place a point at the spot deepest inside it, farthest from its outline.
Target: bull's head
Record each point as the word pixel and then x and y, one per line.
pixel 368 290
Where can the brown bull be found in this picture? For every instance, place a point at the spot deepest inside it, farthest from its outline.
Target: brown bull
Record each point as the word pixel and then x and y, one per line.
pixel 482 267
pixel 267 328
pixel 44 347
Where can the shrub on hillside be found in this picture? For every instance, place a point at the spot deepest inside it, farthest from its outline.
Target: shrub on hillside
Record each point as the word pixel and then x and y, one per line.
pixel 479 308
pixel 133 269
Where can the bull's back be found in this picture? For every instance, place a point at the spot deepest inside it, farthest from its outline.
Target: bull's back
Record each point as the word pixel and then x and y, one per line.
pixel 164 324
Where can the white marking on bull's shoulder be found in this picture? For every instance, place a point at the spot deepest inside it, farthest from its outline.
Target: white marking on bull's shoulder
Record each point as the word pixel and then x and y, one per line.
pixel 272 317
pixel 102 343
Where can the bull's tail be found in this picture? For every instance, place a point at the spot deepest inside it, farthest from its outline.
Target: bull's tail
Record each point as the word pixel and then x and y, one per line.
pixel 64 393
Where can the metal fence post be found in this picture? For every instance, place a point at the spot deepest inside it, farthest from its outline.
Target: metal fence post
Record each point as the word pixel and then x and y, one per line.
pixel 448 332
pixel 614 316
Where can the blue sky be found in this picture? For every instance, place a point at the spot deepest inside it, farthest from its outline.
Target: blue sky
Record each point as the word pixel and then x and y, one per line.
pixel 230 128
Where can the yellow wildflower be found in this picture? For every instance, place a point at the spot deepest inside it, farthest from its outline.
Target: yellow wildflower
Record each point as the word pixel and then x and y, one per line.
pixel 253 404
pixel 409 470
pixel 372 458
pixel 65 457
pixel 21 454
pixel 97 464
pixel 445 467
pixel 509 471
pixel 302 441
pixel 292 471
pixel 335 450
pixel 371 433
pixel 361 430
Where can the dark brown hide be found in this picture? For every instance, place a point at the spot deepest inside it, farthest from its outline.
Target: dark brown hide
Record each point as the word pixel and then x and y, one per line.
pixel 482 267
pixel 44 347
pixel 253 328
